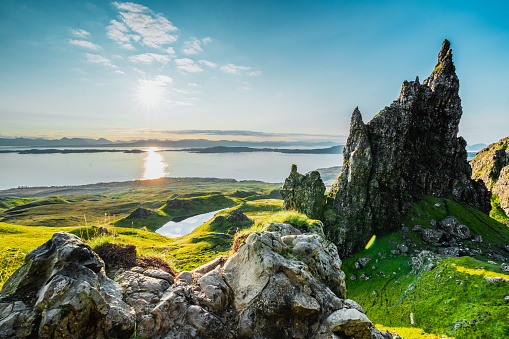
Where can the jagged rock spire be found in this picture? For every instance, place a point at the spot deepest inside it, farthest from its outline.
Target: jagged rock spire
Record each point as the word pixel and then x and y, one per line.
pixel 408 150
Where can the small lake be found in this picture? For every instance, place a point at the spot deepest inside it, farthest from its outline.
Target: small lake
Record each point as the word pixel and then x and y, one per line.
pixel 89 168
pixel 181 227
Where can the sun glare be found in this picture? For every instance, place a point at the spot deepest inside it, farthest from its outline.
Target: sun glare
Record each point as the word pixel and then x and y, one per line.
pixel 149 93
pixel 154 166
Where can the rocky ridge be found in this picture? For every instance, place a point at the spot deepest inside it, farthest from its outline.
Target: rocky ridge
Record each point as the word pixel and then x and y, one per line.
pixel 491 165
pixel 410 149
pixel 280 283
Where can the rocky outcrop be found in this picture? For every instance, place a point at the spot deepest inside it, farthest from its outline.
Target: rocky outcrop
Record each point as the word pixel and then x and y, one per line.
pixel 304 193
pixel 408 150
pixel 280 283
pixel 491 165
pixel 61 291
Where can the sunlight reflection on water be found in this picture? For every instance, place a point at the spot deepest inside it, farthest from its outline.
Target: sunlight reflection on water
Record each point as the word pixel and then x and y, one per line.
pixel 154 166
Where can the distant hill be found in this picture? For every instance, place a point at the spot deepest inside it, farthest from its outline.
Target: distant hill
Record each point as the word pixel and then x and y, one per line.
pixel 202 143
pixel 476 147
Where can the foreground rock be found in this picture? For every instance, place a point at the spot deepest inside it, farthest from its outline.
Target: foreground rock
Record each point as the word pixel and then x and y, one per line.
pixel 491 165
pixel 62 291
pixel 408 150
pixel 280 284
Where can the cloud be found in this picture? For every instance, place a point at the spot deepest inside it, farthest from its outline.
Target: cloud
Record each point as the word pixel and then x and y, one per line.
pixel 140 24
pixel 148 58
pixel 99 59
pixel 80 33
pixel 84 44
pixel 207 63
pixel 234 69
pixel 170 50
pixel 240 133
pixel 188 65
pixel 254 73
pixel 194 46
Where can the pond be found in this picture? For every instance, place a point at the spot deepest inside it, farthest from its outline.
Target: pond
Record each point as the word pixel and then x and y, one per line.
pixel 179 227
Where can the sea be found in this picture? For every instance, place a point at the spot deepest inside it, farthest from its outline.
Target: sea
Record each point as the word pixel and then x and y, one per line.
pixel 35 170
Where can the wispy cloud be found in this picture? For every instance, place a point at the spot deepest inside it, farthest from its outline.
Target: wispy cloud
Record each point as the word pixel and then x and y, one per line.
pixel 244 133
pixel 148 58
pixel 170 51
pixel 188 65
pixel 207 63
pixel 84 44
pixel 99 59
pixel 80 33
pixel 194 46
pixel 239 70
pixel 140 24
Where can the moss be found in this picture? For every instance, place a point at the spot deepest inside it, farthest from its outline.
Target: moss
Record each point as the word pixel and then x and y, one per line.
pixel 497 212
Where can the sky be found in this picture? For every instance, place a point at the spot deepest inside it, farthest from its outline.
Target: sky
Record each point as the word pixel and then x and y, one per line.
pixel 240 70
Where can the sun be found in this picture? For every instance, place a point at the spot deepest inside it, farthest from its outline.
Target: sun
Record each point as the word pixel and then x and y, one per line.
pixel 149 93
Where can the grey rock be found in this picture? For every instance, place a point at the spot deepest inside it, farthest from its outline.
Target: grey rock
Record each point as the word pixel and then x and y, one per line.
pixel 449 251
pixel 432 235
pixel 304 193
pixel 63 284
pixel 454 228
pixel 280 283
pixel 361 262
pixel 403 248
pixel 351 322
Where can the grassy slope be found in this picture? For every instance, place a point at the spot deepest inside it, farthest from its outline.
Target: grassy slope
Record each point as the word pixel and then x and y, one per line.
pixel 94 209
pixel 438 300
pixel 184 253
pixel 389 305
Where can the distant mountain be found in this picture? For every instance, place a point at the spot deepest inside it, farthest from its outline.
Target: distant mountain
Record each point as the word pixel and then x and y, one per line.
pixel 222 149
pixel 202 143
pixel 476 147
pixel 64 142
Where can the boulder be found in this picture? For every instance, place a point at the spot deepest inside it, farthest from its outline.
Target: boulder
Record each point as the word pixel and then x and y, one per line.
pixel 61 290
pixel 432 235
pixel 454 228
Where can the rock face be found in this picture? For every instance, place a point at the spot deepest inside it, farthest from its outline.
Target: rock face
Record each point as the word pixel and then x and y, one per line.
pixel 304 193
pixel 408 150
pixel 491 165
pixel 280 283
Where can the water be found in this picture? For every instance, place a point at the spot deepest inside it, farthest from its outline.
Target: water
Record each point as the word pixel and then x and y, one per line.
pixel 87 168
pixel 173 229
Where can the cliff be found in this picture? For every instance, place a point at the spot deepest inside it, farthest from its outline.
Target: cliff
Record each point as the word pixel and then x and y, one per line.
pixel 410 149
pixel 491 165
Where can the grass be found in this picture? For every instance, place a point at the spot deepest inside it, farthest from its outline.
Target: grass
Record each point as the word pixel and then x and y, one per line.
pixel 497 212
pixel 453 299
pixel 118 204
pixel 436 298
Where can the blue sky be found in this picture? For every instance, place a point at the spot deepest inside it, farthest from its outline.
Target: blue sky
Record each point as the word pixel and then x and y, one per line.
pixel 282 69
